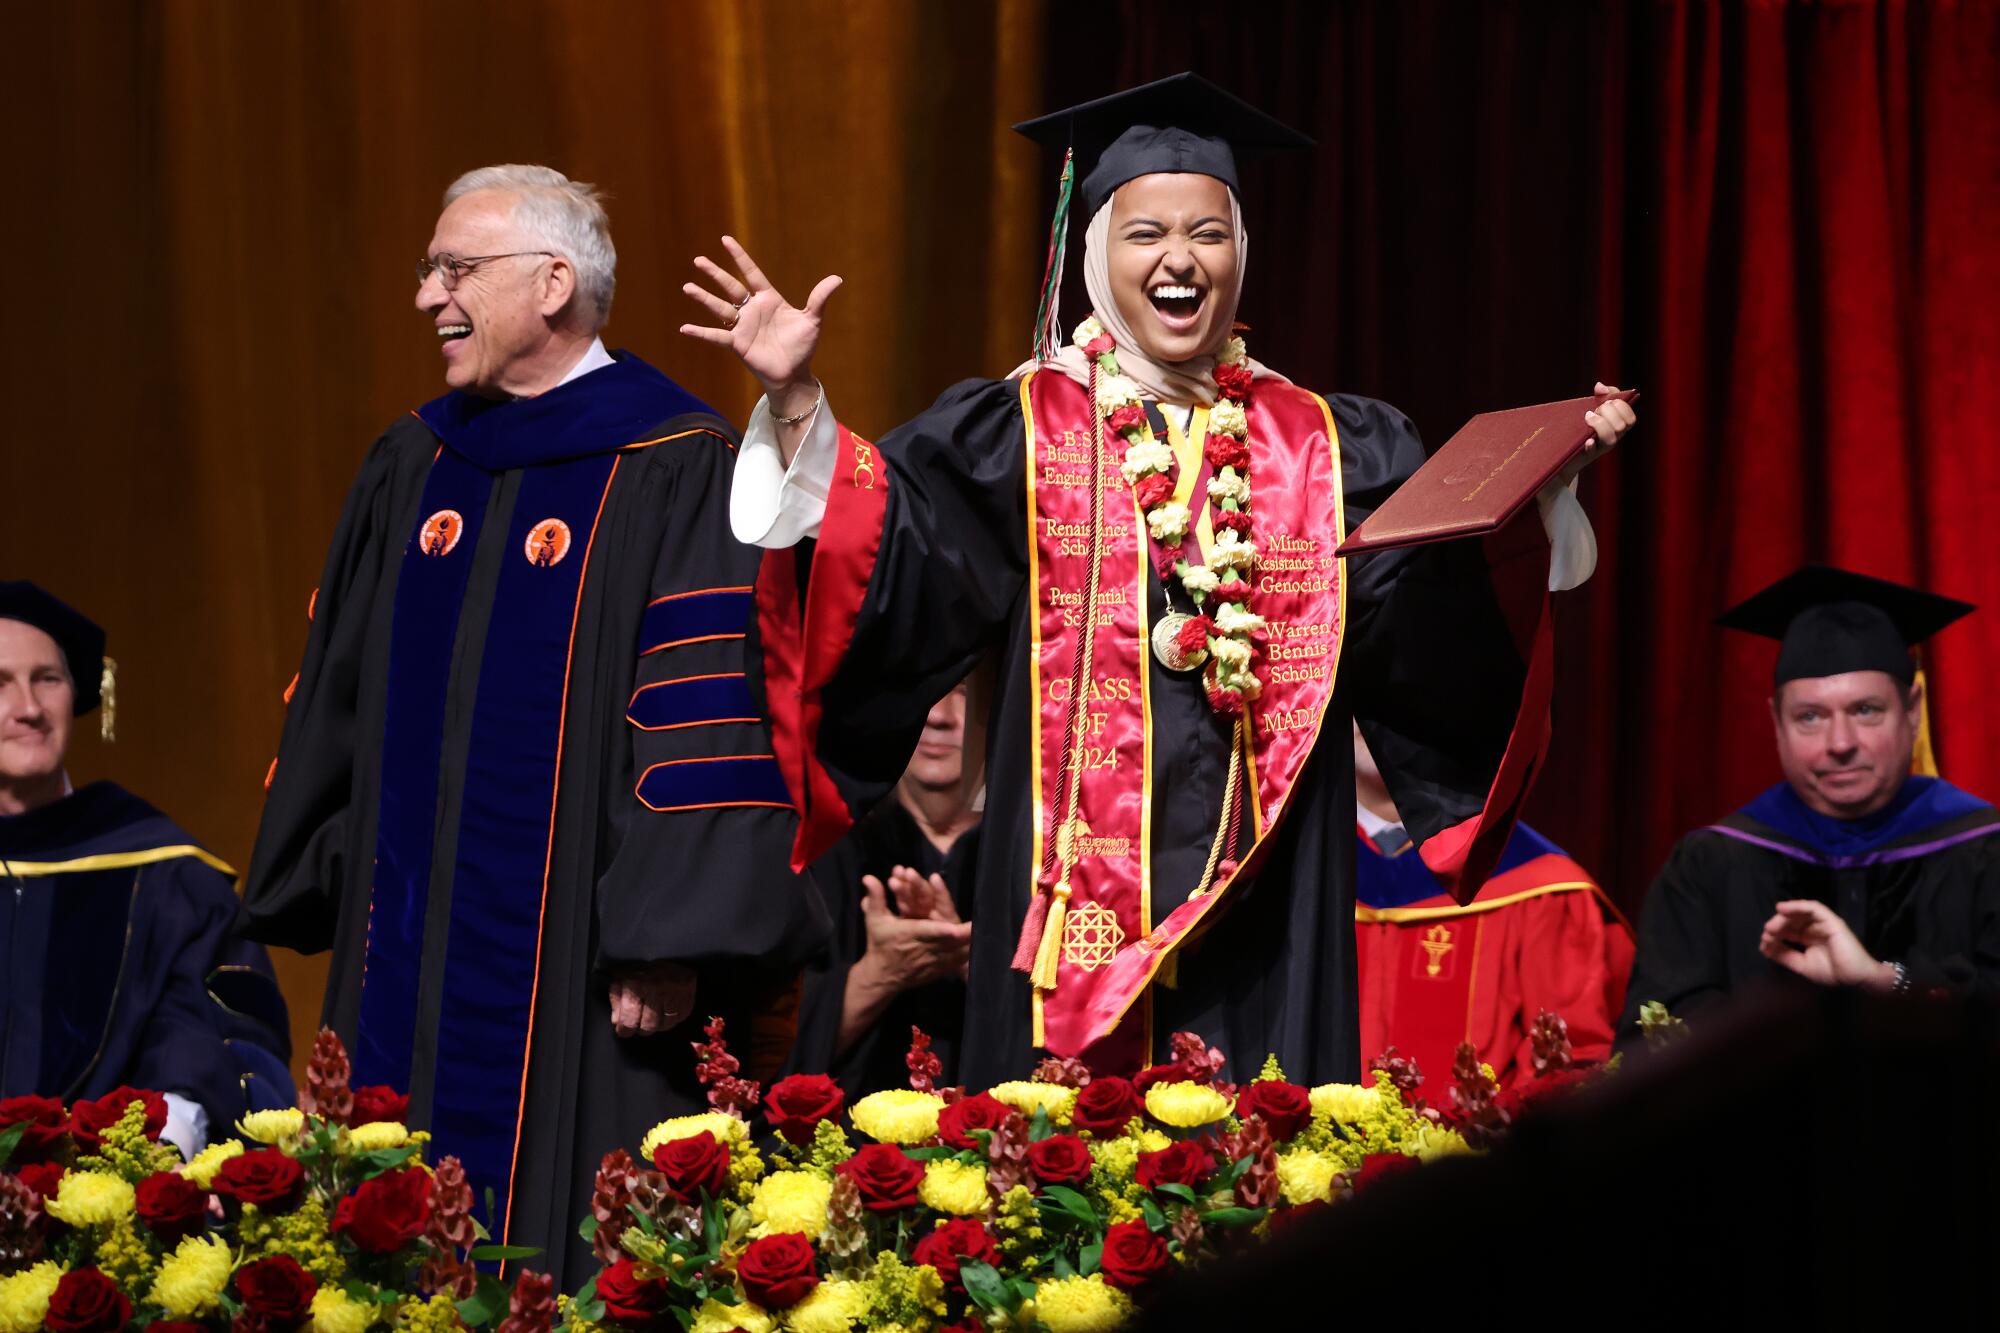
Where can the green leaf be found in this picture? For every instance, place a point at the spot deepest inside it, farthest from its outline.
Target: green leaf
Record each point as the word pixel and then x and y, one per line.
pixel 1039 1127
pixel 372 1164
pixel 10 1138
pixel 587 1229
pixel 1233 1217
pixel 1064 1268
pixel 1072 1203
pixel 683 1316
pixel 1181 1192
pixel 1091 1259
pixel 1227 1180
pixel 983 1285
pixel 935 1152
pixel 1156 1220
pixel 480 1253
pixel 486 1304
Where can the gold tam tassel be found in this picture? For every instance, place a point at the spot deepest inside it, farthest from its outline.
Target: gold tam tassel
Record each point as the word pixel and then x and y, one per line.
pixel 1049 952
pixel 107 687
pixel 1923 760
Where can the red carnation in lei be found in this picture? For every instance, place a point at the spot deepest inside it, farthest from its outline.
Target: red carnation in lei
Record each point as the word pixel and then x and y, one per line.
pixel 378 1103
pixel 1226 702
pixel 692 1167
pixel 46 1125
pixel 630 1299
pixel 266 1178
pixel 957 1121
pixel 794 1106
pixel 886 1177
pixel 1194 635
pixel 386 1213
pixel 1106 1106
pixel 1223 451
pixel 1283 1107
pixel 962 1240
pixel 1232 380
pixel 1233 590
pixel 86 1301
pixel 1130 417
pixel 1153 490
pixel 1232 520
pixel 1134 1257
pixel 777 1272
pixel 276 1290
pixel 1098 346
pixel 89 1120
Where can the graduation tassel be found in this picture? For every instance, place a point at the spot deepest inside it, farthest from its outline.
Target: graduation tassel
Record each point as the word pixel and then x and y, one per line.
pixel 1923 759
pixel 1048 311
pixel 1043 975
pixel 107 686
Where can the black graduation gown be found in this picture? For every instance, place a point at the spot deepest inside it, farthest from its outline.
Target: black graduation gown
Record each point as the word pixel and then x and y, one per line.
pixel 116 934
pixel 646 829
pixel 882 841
pixel 1924 892
pixel 1428 664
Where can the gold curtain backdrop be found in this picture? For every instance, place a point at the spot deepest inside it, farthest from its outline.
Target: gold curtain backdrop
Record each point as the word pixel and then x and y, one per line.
pixel 217 206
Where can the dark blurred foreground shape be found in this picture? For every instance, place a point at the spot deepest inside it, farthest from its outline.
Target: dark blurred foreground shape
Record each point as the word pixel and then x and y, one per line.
pixel 1821 1159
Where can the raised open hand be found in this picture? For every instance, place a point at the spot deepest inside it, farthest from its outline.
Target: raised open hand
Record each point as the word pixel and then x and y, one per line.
pixel 774 339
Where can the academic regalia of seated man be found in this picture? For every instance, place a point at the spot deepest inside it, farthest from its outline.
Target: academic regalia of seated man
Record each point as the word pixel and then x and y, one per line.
pixel 116 927
pixel 1162 851
pixel 521 759
pixel 1911 872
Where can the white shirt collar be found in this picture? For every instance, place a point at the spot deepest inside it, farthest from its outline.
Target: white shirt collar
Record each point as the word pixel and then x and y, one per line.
pixel 1371 823
pixel 593 358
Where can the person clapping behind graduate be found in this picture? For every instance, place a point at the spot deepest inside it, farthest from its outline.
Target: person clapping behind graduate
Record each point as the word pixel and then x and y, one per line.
pixel 119 968
pixel 1854 870
pixel 897 888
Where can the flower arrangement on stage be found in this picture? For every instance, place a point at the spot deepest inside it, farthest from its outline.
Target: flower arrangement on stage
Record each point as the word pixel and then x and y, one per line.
pixel 1059 1203
pixel 323 1217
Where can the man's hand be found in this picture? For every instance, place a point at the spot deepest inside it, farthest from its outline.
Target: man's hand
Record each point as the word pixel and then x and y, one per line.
pixel 774 339
pixel 918 940
pixel 645 1000
pixel 1612 422
pixel 1811 939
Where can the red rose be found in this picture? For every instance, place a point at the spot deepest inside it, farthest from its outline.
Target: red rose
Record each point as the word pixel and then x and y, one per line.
pixel 886 1176
pixel 1153 491
pixel 46 1126
pixel 1223 451
pixel 1129 417
pixel 959 1241
pixel 629 1299
pixel 386 1213
pixel 957 1121
pixel 1134 1257
pixel 1283 1107
pixel 1194 635
pixel 1098 346
pixel 89 1120
pixel 778 1271
pixel 693 1166
pixel 1153 1074
pixel 86 1301
pixel 1185 1163
pixel 1234 590
pixel 174 1326
pixel 1284 1219
pixel 1234 520
pixel 266 1178
pixel 1106 1105
pixel 378 1104
pixel 1060 1159
pixel 276 1289
pixel 796 1105
pixel 171 1206
pixel 1378 1166
pixel 41 1177
pixel 1232 380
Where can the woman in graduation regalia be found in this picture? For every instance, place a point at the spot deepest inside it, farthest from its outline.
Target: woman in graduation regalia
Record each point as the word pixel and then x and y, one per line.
pixel 1141 527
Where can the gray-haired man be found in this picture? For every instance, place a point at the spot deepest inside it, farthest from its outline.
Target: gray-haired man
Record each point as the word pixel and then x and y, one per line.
pixel 523 792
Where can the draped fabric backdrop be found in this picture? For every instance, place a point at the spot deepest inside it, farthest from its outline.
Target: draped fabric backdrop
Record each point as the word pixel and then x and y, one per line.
pixel 1776 220
pixel 1771 218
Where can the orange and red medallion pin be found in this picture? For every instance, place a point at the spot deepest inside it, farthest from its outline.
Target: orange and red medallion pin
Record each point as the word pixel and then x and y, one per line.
pixel 548 543
pixel 441 532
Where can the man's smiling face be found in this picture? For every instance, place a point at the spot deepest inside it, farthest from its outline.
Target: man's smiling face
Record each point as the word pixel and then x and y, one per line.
pixel 494 318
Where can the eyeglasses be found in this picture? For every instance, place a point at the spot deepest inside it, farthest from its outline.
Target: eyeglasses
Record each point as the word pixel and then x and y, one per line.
pixel 451 269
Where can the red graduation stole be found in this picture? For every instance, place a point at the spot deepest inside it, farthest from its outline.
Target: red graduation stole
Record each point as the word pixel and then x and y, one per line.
pixel 1110 947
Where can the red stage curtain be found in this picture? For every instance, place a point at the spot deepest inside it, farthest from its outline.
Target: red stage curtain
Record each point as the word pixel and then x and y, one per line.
pixel 1774 219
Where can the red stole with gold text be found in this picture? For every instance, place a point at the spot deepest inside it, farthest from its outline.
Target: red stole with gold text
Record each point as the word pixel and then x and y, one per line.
pixel 1111 946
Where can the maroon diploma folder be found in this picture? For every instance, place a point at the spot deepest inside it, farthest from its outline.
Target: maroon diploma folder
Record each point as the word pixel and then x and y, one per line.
pixel 1482 477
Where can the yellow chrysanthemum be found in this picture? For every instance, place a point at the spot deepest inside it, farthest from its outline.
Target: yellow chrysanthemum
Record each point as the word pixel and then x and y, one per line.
pixel 1028 1097
pixel 201 1170
pixel 1428 1142
pixel 958 1188
pixel 1306 1176
pixel 280 1126
pixel 833 1307
pixel 333 1311
pixel 898 1115
pixel 88 1197
pixel 1081 1305
pixel 192 1277
pixel 715 1317
pixel 1349 1103
pixel 726 1129
pixel 790 1201
pixel 377 1135
pixel 1186 1105
pixel 1152 1140
pixel 24 1297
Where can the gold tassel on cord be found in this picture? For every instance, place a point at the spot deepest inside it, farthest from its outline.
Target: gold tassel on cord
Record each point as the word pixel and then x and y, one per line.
pixel 1049 952
pixel 1923 761
pixel 107 686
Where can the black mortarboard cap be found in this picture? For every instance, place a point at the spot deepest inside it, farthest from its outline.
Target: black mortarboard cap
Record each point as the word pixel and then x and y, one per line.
pixel 1181 123
pixel 81 641
pixel 1829 621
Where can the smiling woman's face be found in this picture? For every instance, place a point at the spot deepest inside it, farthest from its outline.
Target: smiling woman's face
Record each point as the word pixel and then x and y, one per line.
pixel 1172 260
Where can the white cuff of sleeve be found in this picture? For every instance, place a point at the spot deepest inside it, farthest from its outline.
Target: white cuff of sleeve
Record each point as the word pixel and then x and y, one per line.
pixel 187 1125
pixel 1572 541
pixel 774 506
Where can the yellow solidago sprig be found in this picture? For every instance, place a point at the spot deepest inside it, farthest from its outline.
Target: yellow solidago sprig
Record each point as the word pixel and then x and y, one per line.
pixel 126 1152
pixel 1081 1305
pixel 1027 1098
pixel 790 1201
pixel 829 1148
pixel 439 1314
pixel 1017 1222
pixel 1187 1105
pixel 903 1295
pixel 24 1297
pixel 898 1115
pixel 91 1198
pixel 191 1279
pixel 300 1232
pixel 125 1258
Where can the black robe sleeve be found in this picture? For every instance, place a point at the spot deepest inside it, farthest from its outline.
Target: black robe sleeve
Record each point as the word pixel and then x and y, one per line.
pixel 1684 954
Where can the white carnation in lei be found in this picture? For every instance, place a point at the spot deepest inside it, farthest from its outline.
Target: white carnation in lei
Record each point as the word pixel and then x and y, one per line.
pixel 1089 332
pixel 1231 655
pixel 1232 621
pixel 1226 418
pixel 1234 353
pixel 1229 485
pixel 1199 580
pixel 1114 392
pixel 1145 457
pixel 1168 523
pixel 1231 552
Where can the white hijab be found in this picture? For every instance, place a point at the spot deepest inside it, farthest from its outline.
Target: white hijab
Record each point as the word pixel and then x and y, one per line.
pixel 1185 382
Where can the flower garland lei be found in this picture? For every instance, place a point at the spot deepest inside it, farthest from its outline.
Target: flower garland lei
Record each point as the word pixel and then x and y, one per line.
pixel 1227 640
